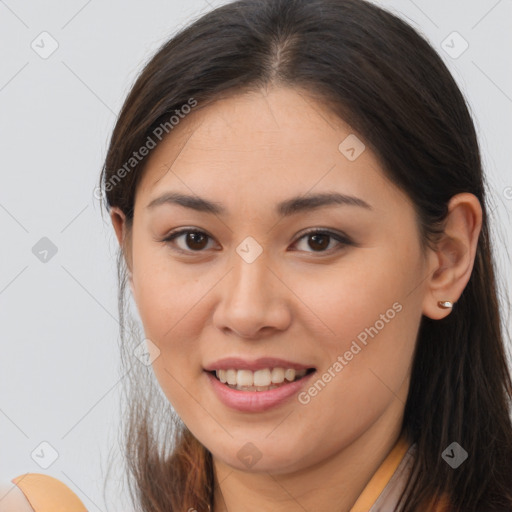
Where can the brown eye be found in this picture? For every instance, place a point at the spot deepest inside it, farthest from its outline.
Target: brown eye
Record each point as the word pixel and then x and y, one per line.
pixel 194 241
pixel 319 241
pixel 197 241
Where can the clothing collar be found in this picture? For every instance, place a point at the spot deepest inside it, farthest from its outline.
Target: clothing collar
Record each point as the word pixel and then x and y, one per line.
pixel 381 477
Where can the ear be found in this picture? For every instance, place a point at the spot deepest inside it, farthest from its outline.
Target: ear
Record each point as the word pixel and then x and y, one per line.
pixel 118 219
pixel 453 259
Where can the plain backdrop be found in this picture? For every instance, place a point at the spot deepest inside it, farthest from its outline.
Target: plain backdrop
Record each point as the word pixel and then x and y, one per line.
pixel 59 377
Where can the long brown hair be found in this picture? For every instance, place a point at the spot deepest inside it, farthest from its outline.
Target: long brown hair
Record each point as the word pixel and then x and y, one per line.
pixel 383 78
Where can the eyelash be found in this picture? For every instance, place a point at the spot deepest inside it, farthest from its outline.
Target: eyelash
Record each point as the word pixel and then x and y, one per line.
pixel 343 240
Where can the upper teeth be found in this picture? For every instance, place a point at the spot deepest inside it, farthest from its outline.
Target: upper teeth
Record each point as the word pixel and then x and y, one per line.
pixel 264 377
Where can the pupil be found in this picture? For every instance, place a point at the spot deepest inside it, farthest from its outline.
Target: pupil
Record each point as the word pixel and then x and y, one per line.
pixel 325 237
pixel 191 239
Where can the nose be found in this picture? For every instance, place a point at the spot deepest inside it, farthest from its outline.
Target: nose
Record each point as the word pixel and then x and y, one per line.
pixel 254 301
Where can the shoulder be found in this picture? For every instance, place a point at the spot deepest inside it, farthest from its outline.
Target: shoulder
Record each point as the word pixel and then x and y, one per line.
pixel 12 499
pixel 37 492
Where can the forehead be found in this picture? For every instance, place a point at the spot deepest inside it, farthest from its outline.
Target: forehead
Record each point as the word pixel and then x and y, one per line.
pixel 268 143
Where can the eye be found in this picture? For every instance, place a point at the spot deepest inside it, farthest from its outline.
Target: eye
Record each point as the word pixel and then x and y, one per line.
pixel 194 240
pixel 320 240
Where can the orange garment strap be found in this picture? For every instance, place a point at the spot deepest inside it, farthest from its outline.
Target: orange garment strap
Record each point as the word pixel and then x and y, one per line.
pixel 381 477
pixel 48 494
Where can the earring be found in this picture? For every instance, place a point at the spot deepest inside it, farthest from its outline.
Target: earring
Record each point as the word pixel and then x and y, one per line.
pixel 445 304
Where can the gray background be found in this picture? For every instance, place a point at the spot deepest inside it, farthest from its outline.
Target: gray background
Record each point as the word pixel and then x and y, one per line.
pixel 59 379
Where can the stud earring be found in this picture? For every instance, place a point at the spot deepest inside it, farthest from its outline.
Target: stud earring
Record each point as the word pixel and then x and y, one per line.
pixel 445 304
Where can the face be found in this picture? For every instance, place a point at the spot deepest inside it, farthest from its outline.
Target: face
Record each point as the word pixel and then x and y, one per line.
pixel 334 286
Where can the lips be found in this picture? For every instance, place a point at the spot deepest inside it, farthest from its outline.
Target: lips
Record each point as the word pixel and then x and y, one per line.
pixel 257 400
pixel 257 364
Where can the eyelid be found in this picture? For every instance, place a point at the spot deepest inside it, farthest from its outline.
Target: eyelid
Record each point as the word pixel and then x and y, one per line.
pixel 170 237
pixel 342 239
pixel 338 235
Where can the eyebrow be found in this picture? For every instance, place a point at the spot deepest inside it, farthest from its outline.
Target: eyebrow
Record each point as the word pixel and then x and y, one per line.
pixel 292 206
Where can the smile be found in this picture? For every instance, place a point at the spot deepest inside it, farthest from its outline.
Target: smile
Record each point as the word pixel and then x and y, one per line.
pixel 260 380
pixel 255 399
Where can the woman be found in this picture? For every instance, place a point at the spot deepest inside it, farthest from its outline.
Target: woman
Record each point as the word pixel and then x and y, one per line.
pixel 297 190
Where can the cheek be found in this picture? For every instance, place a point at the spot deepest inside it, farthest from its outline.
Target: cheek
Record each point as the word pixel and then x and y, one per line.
pixel 353 294
pixel 169 308
pixel 370 312
pixel 168 300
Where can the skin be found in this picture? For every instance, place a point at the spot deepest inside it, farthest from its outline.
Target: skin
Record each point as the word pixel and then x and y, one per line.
pixel 12 499
pixel 299 300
